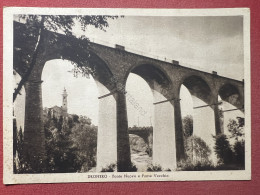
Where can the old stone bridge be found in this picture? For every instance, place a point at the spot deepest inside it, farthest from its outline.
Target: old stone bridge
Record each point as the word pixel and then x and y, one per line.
pixel 146 134
pixel 111 67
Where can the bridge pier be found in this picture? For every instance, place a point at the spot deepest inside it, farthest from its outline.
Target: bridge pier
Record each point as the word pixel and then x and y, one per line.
pixel 150 144
pixel 180 153
pixel 34 137
pixel 164 153
pixel 123 146
pixel 218 129
pixel 204 125
pixel 107 135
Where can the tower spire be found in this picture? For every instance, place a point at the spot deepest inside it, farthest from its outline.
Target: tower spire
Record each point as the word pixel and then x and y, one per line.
pixel 64 102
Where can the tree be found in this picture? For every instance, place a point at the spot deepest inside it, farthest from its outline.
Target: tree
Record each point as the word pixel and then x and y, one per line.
pixel 84 138
pixel 20 145
pixel 36 25
pixel 223 149
pixel 236 128
pixel 60 123
pixel 75 118
pixel 187 122
pixel 15 131
pixel 73 147
pixel 20 142
pixel 239 150
pixel 61 153
pixel 197 150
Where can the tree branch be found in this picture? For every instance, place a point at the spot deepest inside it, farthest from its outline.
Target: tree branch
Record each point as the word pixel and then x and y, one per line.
pixel 33 61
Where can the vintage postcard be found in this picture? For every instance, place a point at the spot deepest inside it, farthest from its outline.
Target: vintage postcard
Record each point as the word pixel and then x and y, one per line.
pixel 106 95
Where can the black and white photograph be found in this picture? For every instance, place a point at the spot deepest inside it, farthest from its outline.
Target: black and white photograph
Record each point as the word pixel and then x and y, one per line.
pixel 101 95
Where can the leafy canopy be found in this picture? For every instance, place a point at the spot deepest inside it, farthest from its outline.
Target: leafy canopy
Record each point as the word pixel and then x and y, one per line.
pixel 29 42
pixel 65 23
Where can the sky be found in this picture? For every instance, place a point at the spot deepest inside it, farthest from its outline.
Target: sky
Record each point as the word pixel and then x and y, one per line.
pixel 204 43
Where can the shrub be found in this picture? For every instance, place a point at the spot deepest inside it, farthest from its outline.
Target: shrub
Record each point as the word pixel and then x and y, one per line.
pixel 195 166
pixel 110 168
pixel 113 168
pixel 239 150
pixel 154 168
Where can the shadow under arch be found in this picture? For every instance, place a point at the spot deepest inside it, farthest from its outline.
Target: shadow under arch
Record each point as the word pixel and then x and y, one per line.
pixel 198 87
pixel 155 77
pixel 232 107
pixel 164 148
pixel 231 94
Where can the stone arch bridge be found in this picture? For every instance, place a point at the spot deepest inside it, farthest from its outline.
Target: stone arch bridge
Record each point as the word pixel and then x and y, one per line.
pixel 111 67
pixel 146 134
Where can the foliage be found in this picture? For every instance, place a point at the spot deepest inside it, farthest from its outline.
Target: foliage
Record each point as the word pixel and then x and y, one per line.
pixel 84 137
pixel 189 165
pixel 19 162
pixel 236 128
pixel 239 153
pixel 15 142
pixel 36 25
pixel 231 155
pixel 70 149
pixel 223 149
pixel 110 168
pixel 61 155
pixel 187 122
pixel 132 168
pixel 197 150
pixel 114 167
pixel 67 149
pixel 154 168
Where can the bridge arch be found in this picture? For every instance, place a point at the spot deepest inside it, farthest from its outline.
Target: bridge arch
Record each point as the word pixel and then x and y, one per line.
pixel 198 86
pixel 232 104
pixel 87 60
pixel 146 133
pixel 107 135
pixel 151 72
pixel 164 148
pixel 204 120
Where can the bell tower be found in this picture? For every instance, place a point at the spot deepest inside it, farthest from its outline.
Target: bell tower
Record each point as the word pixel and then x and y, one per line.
pixel 64 101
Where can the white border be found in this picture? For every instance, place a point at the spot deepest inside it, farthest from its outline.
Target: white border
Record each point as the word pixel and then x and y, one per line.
pixel 10 178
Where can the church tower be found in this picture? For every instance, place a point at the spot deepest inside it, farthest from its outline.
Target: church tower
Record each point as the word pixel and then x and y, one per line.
pixel 64 101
